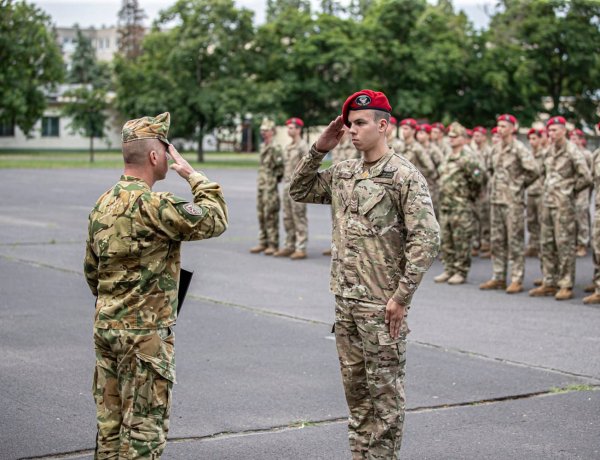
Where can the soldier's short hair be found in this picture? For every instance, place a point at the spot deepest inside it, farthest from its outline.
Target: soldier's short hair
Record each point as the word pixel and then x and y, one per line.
pixel 381 115
pixel 135 153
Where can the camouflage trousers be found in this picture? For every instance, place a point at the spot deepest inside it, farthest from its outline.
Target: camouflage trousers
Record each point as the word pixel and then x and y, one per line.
pixel 481 228
pixel 267 209
pixel 508 241
pixel 294 222
pixel 582 204
pixel 434 191
pixel 534 220
pixel 457 226
pixel 133 382
pixel 372 366
pixel 559 235
pixel 596 249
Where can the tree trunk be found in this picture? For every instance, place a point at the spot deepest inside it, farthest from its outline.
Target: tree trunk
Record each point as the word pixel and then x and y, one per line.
pixel 91 149
pixel 200 157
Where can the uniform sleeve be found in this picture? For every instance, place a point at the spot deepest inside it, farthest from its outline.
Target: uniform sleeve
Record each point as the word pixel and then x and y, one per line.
pixel 476 176
pixel 529 165
pixel 422 236
pixel 277 164
pixel 181 220
pixel 429 168
pixel 90 267
pixel 584 176
pixel 308 184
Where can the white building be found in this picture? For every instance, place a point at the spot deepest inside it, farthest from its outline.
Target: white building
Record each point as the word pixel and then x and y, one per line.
pixel 104 40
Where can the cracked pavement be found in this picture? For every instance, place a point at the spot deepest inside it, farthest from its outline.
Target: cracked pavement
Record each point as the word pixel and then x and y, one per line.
pixel 489 376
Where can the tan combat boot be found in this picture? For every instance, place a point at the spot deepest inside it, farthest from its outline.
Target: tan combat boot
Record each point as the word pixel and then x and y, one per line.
pixel 589 288
pixel 485 248
pixel 581 251
pixel 285 252
pixel 543 291
pixel 474 252
pixel 270 251
pixel 514 288
pixel 327 252
pixel 298 255
pixel 531 252
pixel 594 298
pixel 538 281
pixel 442 278
pixel 258 249
pixel 492 284
pixel 564 294
pixel 457 278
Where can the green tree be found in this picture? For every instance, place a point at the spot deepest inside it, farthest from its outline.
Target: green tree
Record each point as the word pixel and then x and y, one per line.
pixel 83 67
pixel 130 28
pixel 199 69
pixel 31 63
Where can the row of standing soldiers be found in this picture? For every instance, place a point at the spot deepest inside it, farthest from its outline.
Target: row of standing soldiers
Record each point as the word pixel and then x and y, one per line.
pixel 483 195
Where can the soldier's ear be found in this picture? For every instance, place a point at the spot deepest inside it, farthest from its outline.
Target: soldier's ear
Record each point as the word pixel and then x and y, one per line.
pixel 153 157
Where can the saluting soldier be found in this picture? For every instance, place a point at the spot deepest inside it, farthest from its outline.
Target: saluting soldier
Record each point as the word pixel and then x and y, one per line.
pixel 461 180
pixel 270 173
pixel 512 170
pixel 385 237
pixel 132 268
pixel 295 222
pixel 565 175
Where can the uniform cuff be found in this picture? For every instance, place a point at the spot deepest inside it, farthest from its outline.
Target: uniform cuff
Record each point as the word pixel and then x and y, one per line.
pixel 196 177
pixel 314 153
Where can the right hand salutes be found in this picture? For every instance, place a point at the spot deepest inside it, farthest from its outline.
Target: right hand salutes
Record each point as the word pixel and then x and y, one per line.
pixel 179 164
pixel 331 136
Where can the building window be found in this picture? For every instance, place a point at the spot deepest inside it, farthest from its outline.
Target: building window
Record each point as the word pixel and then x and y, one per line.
pixel 7 129
pixel 50 127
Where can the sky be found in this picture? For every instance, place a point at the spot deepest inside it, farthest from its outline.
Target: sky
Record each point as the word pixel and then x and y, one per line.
pixel 96 13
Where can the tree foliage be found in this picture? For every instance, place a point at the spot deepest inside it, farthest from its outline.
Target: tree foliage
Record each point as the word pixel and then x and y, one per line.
pixel 31 63
pixel 130 28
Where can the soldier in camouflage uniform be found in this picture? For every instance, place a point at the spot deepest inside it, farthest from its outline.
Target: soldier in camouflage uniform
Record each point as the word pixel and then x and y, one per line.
pixel 423 136
pixel 595 297
pixel 582 202
pixel 437 137
pixel 461 179
pixel 512 170
pixel 132 267
pixel 294 214
pixel 565 175
pixel 534 195
pixel 416 154
pixel 385 237
pixel 394 142
pixel 270 173
pixel 481 237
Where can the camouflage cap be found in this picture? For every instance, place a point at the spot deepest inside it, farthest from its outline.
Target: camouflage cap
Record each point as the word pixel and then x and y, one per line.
pixel 456 129
pixel 267 124
pixel 147 128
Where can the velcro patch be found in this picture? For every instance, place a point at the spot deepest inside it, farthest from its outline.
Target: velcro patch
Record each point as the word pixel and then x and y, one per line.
pixel 386 174
pixel 192 209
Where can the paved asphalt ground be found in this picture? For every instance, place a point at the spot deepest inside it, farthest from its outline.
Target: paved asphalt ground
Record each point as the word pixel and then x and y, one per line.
pixel 489 376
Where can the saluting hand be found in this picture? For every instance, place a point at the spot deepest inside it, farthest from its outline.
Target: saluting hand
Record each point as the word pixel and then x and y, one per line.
pixel 179 164
pixel 331 136
pixel 394 316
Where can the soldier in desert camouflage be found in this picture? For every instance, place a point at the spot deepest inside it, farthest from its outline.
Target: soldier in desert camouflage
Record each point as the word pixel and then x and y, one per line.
pixel 481 240
pixel 594 298
pixel 270 173
pixel 394 142
pixel 423 136
pixel 132 268
pixel 385 237
pixel 534 195
pixel 577 137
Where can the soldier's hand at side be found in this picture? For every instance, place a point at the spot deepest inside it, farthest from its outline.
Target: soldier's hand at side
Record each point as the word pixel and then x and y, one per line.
pixel 331 136
pixel 179 164
pixel 394 316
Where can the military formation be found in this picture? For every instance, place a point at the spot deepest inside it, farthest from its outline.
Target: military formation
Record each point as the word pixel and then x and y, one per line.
pixel 387 194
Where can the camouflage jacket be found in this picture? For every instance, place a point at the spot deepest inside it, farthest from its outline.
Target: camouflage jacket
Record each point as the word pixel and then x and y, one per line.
pixel 345 150
pixel 512 170
pixel 565 174
pixel 596 173
pixel 385 234
pixel 416 154
pixel 461 178
pixel 436 155
pixel 291 157
pixel 396 145
pixel 537 187
pixel 132 255
pixel 270 168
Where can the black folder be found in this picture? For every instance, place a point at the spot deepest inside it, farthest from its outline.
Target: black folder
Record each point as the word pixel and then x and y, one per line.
pixel 185 278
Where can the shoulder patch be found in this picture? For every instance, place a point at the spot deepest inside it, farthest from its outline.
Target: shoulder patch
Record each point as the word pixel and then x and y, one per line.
pixel 386 174
pixel 192 209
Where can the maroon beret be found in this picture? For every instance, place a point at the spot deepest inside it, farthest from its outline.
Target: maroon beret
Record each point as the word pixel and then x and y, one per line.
pixel 295 120
pixel 439 126
pixel 579 133
pixel 424 127
pixel 507 117
pixel 480 129
pixel 393 121
pixel 495 130
pixel 365 99
pixel 537 132
pixel 556 121
pixel 409 122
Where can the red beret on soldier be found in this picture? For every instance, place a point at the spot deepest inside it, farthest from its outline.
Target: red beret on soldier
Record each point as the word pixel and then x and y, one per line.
pixel 480 129
pixel 365 99
pixel 438 125
pixel 393 121
pixel 507 117
pixel 409 122
pixel 556 121
pixel 495 130
pixel 537 132
pixel 296 121
pixel 424 127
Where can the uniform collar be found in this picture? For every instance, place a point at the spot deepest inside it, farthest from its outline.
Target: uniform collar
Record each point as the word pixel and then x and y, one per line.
pixel 375 170
pixel 135 180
